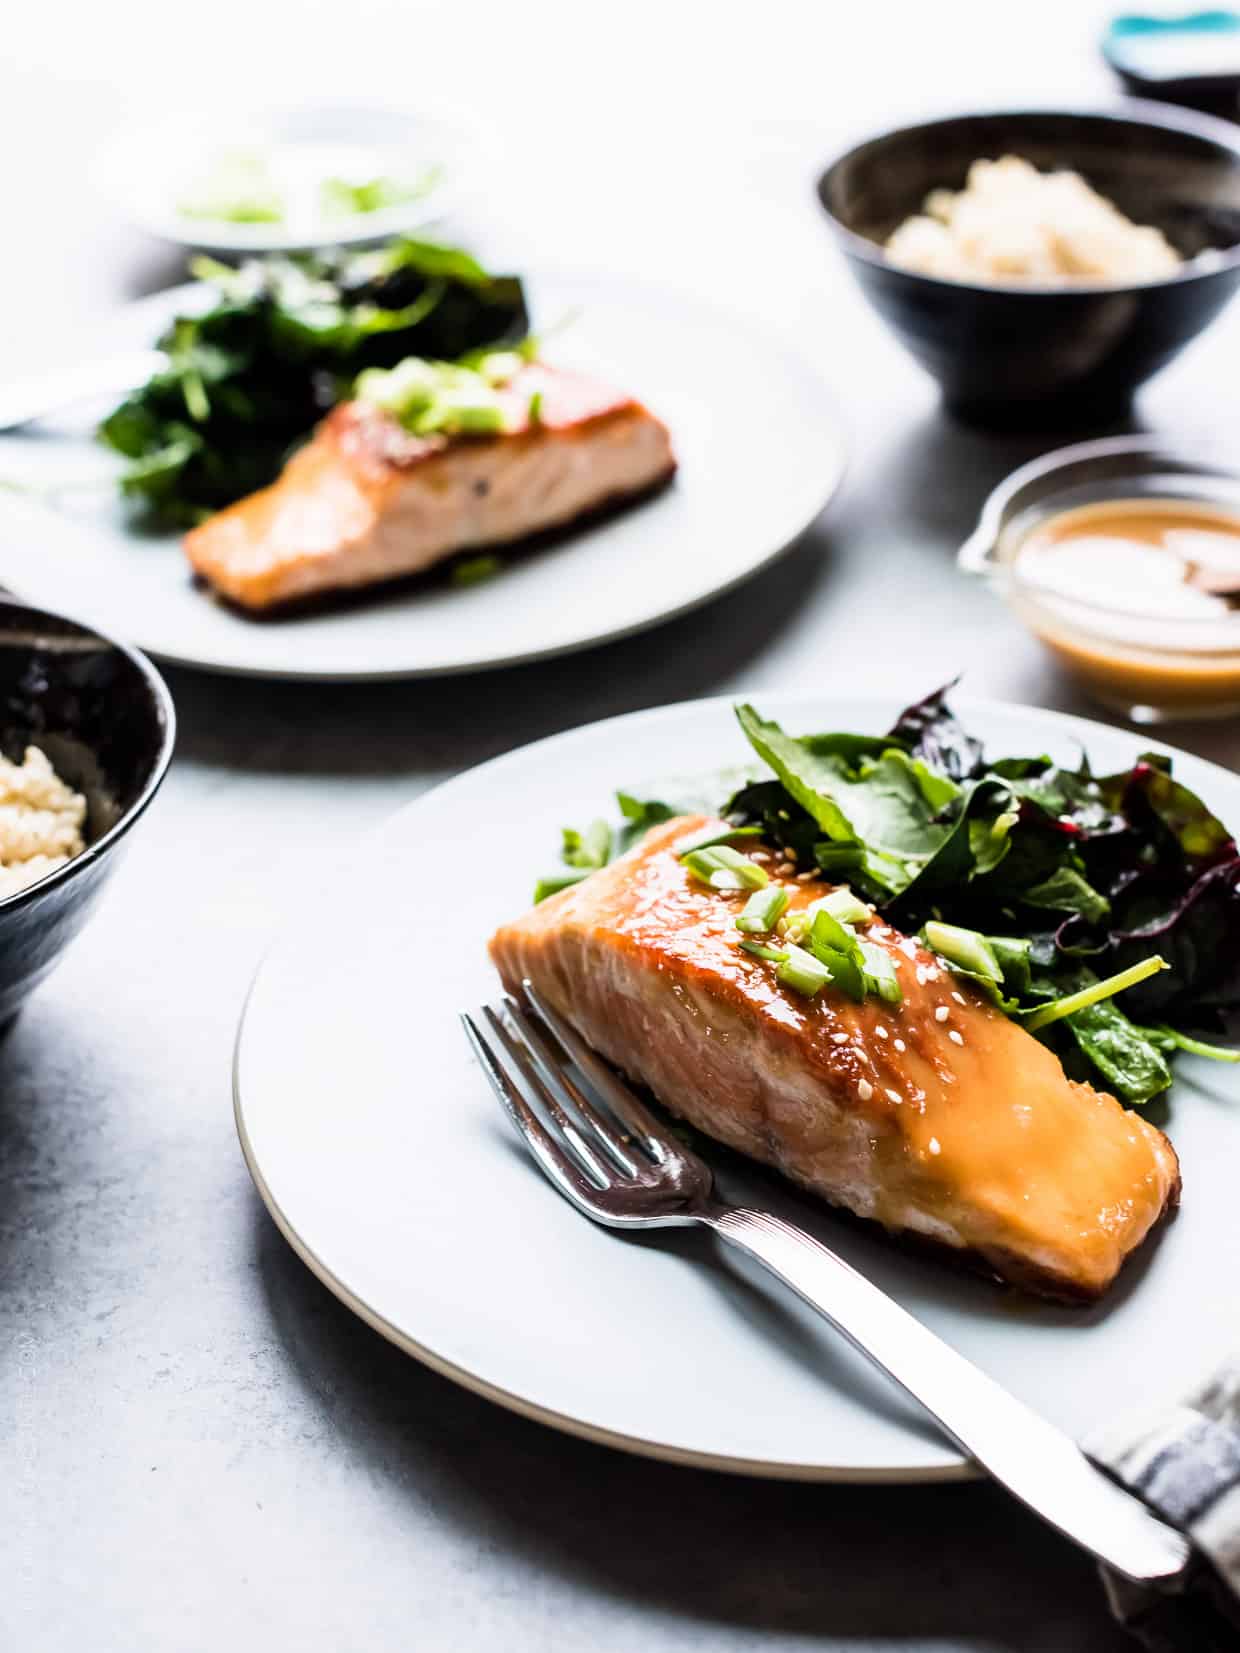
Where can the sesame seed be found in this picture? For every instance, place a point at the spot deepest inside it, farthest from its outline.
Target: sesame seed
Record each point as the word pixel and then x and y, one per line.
pixel 922 976
pixel 790 852
pixel 839 1038
pixel 901 1046
pixel 933 1145
pixel 894 1096
pixel 959 998
pixel 955 1037
pixel 864 1089
pixel 909 947
pixel 785 869
pixel 806 877
pixel 881 1031
pixel 941 1012
pixel 759 855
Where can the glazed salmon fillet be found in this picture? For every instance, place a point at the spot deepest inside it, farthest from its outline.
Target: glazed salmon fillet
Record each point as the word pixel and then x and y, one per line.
pixel 365 502
pixel 938 1117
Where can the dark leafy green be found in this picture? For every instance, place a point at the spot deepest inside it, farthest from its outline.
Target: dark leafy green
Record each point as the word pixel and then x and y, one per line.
pixel 248 379
pixel 1076 884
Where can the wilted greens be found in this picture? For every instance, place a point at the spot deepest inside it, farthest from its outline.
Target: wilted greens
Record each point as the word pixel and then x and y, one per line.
pixel 248 379
pixel 1103 911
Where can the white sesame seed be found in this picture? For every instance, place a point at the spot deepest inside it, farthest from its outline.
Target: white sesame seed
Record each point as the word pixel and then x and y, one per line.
pixel 864 1089
pixel 759 855
pixel 839 1038
pixel 959 998
pixel 933 1145
pixel 901 1046
pixel 922 976
pixel 909 947
pixel 785 869
pixel 894 1096
pixel 881 1031
pixel 790 853
pixel 941 1012
pixel 806 877
pixel 955 1037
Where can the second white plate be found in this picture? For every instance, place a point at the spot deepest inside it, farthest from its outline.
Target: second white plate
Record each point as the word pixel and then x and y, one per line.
pixel 378 1147
pixel 759 453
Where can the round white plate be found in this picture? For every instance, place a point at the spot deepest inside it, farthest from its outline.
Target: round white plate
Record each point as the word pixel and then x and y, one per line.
pixel 753 429
pixel 147 173
pixel 380 1151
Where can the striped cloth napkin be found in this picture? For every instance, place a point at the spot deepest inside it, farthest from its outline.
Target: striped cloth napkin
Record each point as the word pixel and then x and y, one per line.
pixel 1185 1463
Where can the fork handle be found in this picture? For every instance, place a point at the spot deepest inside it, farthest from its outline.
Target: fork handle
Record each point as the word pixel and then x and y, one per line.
pixel 1036 1462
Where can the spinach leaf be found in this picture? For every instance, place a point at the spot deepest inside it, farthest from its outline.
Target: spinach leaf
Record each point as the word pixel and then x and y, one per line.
pixel 863 793
pixel 1130 1062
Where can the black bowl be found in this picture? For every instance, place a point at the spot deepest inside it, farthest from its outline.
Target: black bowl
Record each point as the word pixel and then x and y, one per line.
pixel 102 714
pixel 1048 355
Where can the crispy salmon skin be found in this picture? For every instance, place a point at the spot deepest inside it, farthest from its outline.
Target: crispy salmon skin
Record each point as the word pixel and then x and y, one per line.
pixel 938 1117
pixel 365 502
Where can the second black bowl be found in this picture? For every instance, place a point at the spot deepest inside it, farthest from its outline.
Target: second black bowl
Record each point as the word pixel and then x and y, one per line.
pixel 101 713
pixel 1048 355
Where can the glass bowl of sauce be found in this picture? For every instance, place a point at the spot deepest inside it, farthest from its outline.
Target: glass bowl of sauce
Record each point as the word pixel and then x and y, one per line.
pixel 1123 557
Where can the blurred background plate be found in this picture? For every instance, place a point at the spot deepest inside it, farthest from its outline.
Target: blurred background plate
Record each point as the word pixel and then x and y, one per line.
pixel 159 177
pixel 753 427
pixel 379 1149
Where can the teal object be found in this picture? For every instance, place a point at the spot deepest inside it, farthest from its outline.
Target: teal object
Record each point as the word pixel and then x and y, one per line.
pixel 1193 59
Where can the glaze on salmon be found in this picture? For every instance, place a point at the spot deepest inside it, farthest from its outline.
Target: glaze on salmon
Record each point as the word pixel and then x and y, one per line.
pixel 365 502
pixel 938 1117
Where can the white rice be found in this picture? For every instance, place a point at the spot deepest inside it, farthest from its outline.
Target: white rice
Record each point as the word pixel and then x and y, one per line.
pixel 1012 223
pixel 41 821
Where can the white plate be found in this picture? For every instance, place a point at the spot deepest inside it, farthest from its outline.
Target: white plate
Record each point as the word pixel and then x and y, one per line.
pixel 147 172
pixel 377 1146
pixel 759 457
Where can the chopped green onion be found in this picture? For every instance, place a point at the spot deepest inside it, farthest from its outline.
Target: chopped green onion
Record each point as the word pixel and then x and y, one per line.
pixel 1095 993
pixel 825 931
pixel 845 971
pixel 763 910
pixel 841 904
pixel 725 869
pixel 557 881
pixel 534 411
pixel 714 832
pixel 473 570
pixel 964 947
pixel 880 973
pixel 759 949
pixel 802 972
pixel 589 849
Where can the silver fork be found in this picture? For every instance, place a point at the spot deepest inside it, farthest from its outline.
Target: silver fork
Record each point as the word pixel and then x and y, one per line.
pixel 615 1162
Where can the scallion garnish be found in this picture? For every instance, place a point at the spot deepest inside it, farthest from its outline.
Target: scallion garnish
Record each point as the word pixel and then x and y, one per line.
pixel 841 904
pixel 763 910
pixel 725 869
pixel 967 948
pixel 802 972
pixel 759 949
pixel 880 973
pixel 557 881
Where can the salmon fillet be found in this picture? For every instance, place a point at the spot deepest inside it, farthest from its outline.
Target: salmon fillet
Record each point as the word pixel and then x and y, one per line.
pixel 938 1117
pixel 364 501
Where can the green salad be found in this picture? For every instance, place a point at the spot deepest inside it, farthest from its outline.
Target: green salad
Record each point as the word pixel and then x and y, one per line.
pixel 1100 911
pixel 284 340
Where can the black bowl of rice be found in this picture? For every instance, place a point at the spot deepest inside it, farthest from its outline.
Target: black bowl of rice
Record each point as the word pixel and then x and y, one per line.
pixel 86 735
pixel 1041 264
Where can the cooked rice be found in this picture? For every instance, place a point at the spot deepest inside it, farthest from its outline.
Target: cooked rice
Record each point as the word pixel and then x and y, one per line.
pixel 41 821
